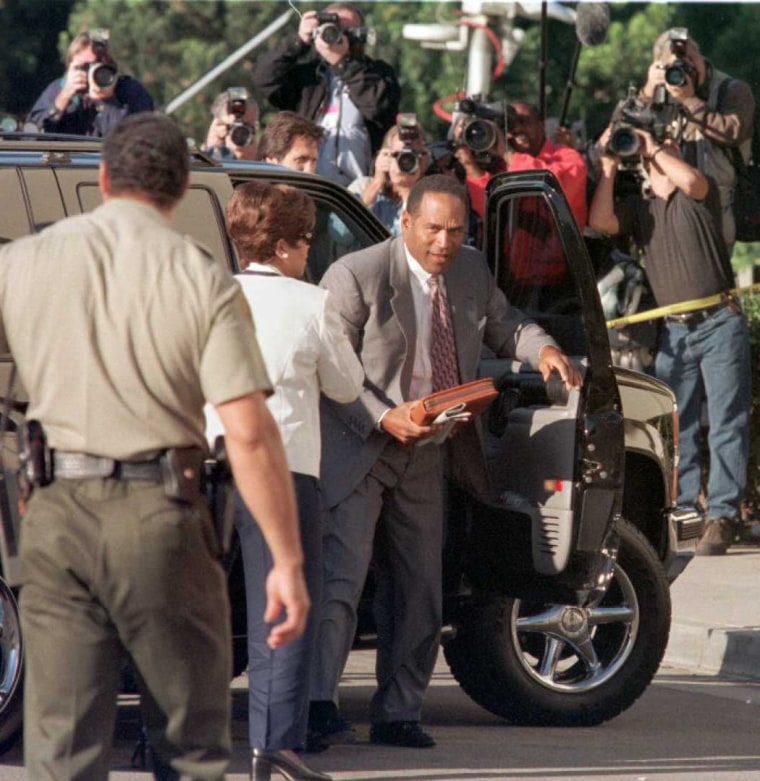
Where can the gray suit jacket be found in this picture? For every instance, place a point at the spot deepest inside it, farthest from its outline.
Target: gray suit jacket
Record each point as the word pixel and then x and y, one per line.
pixel 371 290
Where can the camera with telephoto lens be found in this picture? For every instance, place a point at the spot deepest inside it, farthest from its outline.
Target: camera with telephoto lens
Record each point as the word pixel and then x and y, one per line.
pixel 656 117
pixel 407 159
pixel 240 132
pixel 329 29
pixel 680 70
pixel 101 73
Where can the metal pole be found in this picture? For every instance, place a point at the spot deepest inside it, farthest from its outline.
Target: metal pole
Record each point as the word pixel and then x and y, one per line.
pixel 183 97
pixel 543 61
pixel 479 63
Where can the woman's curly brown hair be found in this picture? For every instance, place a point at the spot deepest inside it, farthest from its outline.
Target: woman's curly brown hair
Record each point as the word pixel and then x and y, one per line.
pixel 259 214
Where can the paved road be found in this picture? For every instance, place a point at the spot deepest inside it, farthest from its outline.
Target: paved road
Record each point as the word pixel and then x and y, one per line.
pixel 692 723
pixel 684 727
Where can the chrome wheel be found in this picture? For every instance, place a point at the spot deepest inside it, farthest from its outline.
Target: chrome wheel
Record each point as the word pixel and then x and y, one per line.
pixel 568 648
pixel 11 667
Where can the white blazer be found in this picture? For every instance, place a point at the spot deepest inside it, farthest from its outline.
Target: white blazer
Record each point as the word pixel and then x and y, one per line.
pixel 306 352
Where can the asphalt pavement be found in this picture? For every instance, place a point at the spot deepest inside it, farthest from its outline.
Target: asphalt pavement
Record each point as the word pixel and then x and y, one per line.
pixel 716 615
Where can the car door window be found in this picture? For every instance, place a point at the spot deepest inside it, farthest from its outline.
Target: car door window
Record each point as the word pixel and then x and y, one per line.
pixel 532 269
pixel 335 235
pixel 343 223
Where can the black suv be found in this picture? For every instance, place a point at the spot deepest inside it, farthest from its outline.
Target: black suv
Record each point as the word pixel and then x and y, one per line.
pixel 557 607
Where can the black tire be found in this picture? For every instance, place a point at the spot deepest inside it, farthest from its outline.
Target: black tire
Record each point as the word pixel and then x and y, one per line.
pixel 11 669
pixel 546 664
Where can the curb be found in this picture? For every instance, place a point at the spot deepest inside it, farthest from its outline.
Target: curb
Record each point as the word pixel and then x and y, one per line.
pixel 733 651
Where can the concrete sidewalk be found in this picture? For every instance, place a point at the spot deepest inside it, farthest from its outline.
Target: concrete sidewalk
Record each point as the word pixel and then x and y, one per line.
pixel 716 615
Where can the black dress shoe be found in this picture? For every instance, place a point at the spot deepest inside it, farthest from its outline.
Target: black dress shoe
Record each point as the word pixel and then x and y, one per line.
pixel 400 733
pixel 326 727
pixel 264 762
pixel 315 743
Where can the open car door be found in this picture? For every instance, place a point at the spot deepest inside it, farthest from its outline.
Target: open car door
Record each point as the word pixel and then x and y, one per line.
pixel 553 455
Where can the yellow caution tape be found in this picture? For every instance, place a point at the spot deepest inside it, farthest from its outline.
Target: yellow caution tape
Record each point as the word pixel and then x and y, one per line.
pixel 680 308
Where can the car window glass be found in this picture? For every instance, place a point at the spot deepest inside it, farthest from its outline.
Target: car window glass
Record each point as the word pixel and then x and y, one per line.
pixel 335 235
pixel 532 269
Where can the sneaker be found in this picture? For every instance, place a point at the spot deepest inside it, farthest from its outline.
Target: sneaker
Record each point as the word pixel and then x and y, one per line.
pixel 716 538
pixel 326 725
pixel 400 733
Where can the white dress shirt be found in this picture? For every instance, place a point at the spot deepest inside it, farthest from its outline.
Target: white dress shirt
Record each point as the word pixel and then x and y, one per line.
pixel 422 372
pixel 306 351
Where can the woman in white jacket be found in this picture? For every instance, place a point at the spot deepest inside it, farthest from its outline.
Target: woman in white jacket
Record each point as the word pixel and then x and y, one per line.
pixel 306 353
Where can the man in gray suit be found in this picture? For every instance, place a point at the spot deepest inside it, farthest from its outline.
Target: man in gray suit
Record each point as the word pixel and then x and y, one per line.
pixel 372 473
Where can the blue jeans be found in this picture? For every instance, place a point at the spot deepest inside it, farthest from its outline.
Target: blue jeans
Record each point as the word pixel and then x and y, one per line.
pixel 710 361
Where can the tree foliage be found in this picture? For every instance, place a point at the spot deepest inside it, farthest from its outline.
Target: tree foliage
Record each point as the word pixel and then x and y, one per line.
pixel 170 44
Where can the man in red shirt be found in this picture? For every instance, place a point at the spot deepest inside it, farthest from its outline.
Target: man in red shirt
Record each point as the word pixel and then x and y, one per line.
pixel 536 256
pixel 529 149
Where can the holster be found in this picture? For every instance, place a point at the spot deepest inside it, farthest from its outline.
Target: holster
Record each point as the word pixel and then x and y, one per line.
pixel 182 471
pixel 218 487
pixel 34 456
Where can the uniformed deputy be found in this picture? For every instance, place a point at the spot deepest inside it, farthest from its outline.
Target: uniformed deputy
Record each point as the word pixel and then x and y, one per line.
pixel 120 328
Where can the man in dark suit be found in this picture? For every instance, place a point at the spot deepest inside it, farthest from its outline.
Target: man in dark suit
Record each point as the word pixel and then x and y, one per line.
pixel 371 470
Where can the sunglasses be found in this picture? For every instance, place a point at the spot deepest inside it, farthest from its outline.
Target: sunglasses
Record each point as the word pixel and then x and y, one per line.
pixel 306 237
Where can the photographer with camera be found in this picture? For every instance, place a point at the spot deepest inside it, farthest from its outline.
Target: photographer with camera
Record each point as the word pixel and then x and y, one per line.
pixel 529 149
pixel 399 165
pixel 702 354
pixel 717 113
pixel 232 132
pixel 92 97
pixel 477 136
pixel 324 74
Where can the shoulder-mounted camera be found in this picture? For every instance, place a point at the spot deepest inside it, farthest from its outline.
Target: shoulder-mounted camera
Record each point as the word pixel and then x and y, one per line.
pixel 657 117
pixel 481 123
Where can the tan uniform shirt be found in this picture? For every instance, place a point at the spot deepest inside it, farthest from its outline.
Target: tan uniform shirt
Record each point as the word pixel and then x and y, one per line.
pixel 120 328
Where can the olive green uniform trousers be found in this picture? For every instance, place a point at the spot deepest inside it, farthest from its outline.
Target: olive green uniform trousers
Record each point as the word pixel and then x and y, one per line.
pixel 112 566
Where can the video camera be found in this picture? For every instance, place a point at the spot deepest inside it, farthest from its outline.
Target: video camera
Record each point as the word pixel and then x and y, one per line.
pixel 680 70
pixel 657 117
pixel 330 31
pixel 407 159
pixel 481 124
pixel 241 133
pixel 101 73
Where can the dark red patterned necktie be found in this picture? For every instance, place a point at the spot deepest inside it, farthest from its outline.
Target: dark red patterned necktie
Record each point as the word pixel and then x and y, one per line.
pixel 443 354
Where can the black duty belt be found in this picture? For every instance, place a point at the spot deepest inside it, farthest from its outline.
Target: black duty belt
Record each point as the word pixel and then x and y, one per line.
pixel 82 466
pixel 697 316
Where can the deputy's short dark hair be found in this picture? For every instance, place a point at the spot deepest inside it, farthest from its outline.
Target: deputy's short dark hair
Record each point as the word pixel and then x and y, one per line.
pixel 435 183
pixel 147 153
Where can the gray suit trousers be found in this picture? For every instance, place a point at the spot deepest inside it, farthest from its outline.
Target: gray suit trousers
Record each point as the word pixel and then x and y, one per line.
pixel 401 498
